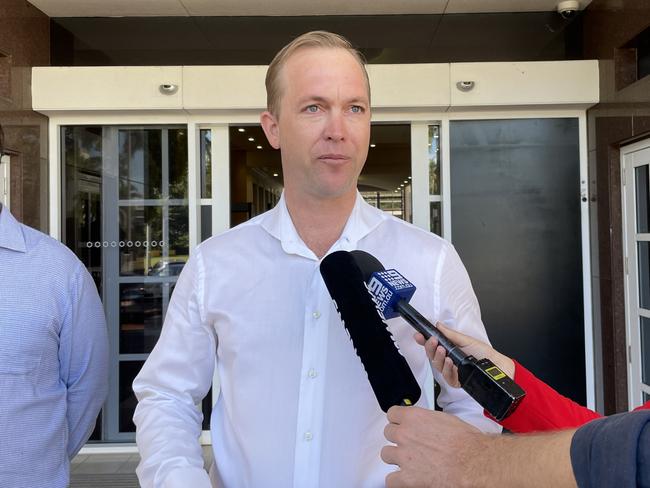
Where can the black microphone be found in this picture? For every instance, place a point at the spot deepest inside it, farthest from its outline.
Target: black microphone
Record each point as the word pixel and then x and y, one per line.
pixel 481 379
pixel 389 374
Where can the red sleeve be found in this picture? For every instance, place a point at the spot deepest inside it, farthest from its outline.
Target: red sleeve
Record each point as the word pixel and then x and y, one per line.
pixel 543 408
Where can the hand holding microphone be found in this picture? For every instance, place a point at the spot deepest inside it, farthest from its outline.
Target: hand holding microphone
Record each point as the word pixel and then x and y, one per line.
pixel 443 363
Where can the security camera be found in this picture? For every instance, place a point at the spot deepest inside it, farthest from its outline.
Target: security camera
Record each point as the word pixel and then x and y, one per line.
pixel 568 8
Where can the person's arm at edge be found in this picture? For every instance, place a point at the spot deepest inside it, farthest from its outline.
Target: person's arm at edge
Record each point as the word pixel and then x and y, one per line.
pixel 175 378
pixel 613 451
pixel 436 446
pixel 83 359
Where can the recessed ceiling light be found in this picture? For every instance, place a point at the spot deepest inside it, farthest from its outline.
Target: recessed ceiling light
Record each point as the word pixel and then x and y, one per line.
pixel 251 139
pixel 259 147
pixel 409 177
pixel 241 129
pixel 435 136
pixel 402 185
pixel 373 145
pixel 406 181
pixel 275 174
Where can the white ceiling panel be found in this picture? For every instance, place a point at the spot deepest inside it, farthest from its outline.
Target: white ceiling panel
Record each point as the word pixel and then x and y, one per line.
pixel 110 8
pixel 323 7
pixel 486 6
pixel 155 8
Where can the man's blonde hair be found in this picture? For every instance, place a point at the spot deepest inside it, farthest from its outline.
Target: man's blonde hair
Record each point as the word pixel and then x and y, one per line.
pixel 313 39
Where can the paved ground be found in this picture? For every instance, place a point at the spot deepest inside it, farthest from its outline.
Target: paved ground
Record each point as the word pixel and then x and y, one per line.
pixel 110 470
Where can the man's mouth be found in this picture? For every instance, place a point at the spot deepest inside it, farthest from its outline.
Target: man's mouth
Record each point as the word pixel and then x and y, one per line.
pixel 333 157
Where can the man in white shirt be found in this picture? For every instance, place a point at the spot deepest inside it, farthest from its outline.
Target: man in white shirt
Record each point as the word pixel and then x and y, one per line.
pixel 295 408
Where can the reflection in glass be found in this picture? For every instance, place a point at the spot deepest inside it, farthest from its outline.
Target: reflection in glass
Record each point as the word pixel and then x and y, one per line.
pixel 206 163
pixel 435 218
pixel 391 202
pixel 206 222
pixel 177 163
pixel 127 401
pixel 179 237
pixel 434 158
pixel 141 316
pixel 82 200
pixel 643 249
pixel 141 238
pixel 82 150
pixel 642 198
pixel 645 350
pixel 140 156
pixel 646 397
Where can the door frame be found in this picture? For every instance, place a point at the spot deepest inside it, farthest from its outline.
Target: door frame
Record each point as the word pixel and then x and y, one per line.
pixel 219 123
pixel 5 170
pixel 629 160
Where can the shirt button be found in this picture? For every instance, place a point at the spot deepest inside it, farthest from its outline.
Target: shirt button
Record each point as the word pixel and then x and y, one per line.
pixel 316 314
pixel 308 436
pixel 312 373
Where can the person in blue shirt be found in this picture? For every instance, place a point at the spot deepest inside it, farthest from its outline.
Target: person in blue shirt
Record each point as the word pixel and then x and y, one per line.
pixel 435 449
pixel 53 357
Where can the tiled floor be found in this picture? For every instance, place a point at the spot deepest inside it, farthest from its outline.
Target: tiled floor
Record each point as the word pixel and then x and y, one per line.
pixel 110 470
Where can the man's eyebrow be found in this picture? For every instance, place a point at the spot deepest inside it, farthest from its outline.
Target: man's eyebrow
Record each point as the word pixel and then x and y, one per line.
pixel 312 98
pixel 319 99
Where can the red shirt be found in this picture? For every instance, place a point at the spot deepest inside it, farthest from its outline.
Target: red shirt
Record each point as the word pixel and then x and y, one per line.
pixel 543 408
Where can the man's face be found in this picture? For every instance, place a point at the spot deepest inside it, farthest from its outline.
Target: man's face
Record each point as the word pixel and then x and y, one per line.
pixel 323 126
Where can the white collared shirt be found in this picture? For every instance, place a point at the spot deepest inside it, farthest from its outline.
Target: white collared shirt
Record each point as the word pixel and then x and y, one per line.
pixel 295 408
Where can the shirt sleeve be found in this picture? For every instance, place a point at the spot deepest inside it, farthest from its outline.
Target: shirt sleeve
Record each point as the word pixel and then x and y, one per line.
pixel 460 311
pixel 543 408
pixel 83 359
pixel 171 385
pixel 613 451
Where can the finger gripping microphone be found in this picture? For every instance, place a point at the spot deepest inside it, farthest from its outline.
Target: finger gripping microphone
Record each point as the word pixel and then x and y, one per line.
pixel 388 372
pixel 481 379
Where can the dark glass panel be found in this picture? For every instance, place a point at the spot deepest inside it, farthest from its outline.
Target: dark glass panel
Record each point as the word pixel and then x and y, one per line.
pixel 642 198
pixel 127 401
pixel 643 250
pixel 141 316
pixel 82 161
pixel 435 216
pixel 206 222
pixel 516 224
pixel 645 350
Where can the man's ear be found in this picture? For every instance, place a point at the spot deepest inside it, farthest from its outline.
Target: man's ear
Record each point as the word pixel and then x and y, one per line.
pixel 271 128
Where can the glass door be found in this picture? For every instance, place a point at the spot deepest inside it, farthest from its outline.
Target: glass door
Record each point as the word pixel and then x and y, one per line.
pixel 636 195
pixel 126 208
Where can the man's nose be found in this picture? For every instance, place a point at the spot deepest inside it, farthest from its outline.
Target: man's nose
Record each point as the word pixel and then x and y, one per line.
pixel 335 127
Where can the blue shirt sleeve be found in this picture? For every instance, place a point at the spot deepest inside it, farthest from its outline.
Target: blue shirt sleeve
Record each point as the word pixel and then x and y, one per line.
pixel 83 356
pixel 613 451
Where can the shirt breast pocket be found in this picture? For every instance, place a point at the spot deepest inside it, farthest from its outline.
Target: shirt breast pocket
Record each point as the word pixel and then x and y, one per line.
pixel 15 365
pixel 21 347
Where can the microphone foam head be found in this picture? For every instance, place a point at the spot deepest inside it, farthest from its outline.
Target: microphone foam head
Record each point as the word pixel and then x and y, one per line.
pixel 389 374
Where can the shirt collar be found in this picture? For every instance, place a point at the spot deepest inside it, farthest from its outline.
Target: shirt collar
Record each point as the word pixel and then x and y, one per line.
pixel 11 234
pixel 362 220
